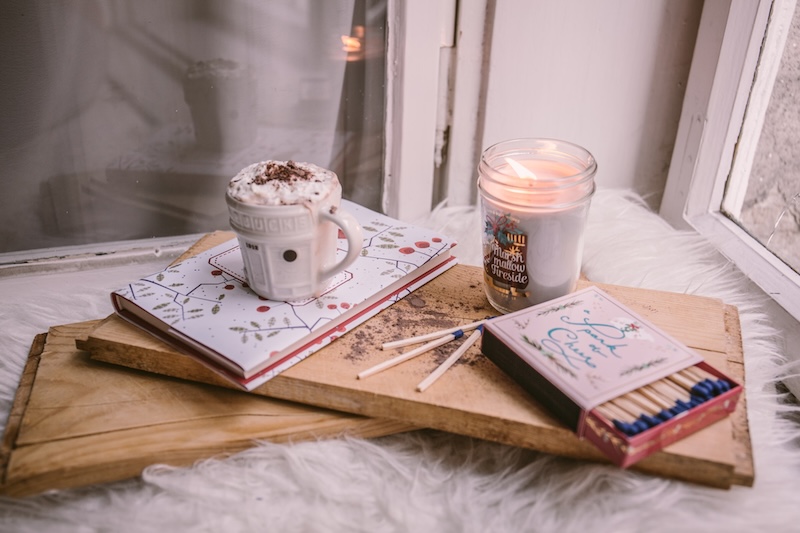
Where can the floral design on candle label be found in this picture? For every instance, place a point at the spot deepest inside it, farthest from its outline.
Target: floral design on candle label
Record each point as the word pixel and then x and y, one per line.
pixel 505 253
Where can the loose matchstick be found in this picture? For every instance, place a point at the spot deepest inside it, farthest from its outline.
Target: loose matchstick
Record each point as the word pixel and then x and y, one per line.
pixel 427 382
pixel 410 354
pixel 430 336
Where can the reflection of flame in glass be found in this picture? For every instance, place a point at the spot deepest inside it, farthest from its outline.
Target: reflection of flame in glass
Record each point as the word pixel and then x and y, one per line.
pixel 521 170
pixel 354 44
pixel 351 44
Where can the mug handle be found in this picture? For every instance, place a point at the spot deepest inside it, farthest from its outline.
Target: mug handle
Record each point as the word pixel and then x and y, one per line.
pixel 355 240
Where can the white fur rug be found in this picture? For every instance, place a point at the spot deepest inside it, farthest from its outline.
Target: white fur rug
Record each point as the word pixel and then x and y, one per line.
pixel 431 481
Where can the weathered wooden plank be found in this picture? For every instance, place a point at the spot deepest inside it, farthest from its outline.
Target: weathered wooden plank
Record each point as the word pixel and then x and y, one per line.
pixel 474 397
pixel 79 422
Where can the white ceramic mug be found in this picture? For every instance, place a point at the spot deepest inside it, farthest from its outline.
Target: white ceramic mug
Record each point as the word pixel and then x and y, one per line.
pixel 289 250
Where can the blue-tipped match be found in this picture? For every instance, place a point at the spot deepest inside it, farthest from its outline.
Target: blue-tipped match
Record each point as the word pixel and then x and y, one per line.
pixel 701 391
pixel 624 427
pixel 713 387
pixel 651 420
pixel 641 425
pixel 664 415
pixel 458 334
pixel 697 400
pixel 719 386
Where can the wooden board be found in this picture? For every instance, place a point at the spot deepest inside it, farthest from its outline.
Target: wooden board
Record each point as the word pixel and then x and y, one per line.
pixel 474 398
pixel 77 422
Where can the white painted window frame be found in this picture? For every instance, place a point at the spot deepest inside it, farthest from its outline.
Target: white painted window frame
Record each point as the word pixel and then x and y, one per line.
pixel 722 109
pixel 435 95
pixel 415 90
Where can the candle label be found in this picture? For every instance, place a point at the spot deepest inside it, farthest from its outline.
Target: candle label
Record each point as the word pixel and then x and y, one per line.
pixel 505 254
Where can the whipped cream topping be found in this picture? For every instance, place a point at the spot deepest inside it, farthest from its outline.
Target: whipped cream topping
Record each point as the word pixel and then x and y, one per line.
pixel 282 183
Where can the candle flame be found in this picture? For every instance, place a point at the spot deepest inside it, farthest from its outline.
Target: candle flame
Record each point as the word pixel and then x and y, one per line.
pixel 521 170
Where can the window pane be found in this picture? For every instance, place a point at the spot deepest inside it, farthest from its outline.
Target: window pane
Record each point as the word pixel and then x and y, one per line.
pixel 770 208
pixel 125 119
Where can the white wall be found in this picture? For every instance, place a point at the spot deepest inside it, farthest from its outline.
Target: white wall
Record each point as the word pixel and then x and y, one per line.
pixel 607 75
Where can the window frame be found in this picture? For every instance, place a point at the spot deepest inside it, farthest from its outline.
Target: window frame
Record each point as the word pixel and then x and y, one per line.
pixel 419 38
pixel 716 118
pixel 415 91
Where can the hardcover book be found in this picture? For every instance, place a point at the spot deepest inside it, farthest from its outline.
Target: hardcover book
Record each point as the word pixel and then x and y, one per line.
pixel 204 306
pixel 609 374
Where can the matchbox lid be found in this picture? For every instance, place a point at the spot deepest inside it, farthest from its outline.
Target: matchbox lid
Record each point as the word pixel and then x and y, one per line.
pixel 590 346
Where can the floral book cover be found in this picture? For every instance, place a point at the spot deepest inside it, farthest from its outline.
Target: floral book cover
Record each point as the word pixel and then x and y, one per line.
pixel 204 306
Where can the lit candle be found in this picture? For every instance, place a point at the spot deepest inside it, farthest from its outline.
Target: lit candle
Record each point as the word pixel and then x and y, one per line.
pixel 535 196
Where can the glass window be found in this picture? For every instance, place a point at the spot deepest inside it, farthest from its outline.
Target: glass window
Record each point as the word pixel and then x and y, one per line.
pixel 126 119
pixel 725 122
pixel 763 199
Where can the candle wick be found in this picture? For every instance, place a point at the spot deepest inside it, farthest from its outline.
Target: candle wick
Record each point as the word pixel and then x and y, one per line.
pixel 521 170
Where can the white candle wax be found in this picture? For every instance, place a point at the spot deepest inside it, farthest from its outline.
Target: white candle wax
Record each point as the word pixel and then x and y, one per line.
pixel 534 209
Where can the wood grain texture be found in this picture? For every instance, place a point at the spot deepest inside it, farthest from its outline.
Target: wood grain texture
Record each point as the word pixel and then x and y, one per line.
pixel 20 403
pixel 474 397
pixel 77 422
pixel 744 470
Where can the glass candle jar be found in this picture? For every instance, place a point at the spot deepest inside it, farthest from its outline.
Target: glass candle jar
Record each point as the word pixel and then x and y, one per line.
pixel 534 196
